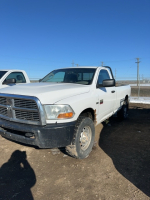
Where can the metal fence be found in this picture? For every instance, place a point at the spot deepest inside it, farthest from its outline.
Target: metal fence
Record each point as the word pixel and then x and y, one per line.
pixel 140 90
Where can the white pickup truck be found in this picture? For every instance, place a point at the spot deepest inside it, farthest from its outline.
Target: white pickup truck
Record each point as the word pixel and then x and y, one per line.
pixel 12 77
pixel 63 109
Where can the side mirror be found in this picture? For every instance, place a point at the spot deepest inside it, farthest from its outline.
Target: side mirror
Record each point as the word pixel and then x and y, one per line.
pixel 10 81
pixel 109 83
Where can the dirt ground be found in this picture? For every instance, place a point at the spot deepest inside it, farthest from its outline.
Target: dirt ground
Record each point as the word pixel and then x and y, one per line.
pixel 118 168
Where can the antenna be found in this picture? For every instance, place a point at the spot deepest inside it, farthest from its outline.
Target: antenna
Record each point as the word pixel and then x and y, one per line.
pixel 72 63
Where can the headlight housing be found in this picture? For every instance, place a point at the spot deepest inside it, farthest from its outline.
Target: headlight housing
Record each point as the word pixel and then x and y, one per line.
pixel 58 111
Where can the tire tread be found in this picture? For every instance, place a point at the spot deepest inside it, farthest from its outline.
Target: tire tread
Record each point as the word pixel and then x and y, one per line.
pixel 71 149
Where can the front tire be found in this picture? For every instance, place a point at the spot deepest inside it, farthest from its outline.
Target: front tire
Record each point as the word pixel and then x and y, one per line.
pixel 83 139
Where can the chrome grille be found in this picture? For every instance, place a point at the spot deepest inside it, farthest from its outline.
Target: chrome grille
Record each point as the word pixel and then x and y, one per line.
pixel 3 111
pixel 25 115
pixel 25 103
pixel 24 109
pixel 3 100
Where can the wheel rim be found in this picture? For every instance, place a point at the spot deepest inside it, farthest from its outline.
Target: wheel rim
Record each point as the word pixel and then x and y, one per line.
pixel 85 138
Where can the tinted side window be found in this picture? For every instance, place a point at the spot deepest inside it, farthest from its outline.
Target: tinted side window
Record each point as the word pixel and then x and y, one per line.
pixel 16 75
pixel 102 76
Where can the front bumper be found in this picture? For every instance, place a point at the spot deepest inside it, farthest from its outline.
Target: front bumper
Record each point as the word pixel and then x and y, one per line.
pixel 49 136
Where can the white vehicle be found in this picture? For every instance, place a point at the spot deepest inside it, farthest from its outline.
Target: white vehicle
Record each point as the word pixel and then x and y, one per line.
pixel 12 77
pixel 63 109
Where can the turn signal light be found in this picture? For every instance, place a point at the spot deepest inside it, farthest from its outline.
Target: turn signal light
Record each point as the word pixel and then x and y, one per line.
pixel 65 115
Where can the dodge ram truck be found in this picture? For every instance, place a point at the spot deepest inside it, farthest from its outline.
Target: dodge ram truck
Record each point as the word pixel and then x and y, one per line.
pixel 63 109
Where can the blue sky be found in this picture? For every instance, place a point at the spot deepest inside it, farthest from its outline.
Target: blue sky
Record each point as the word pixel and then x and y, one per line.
pixel 41 35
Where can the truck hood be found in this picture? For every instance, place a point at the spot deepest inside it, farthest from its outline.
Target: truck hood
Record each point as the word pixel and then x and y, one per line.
pixel 47 93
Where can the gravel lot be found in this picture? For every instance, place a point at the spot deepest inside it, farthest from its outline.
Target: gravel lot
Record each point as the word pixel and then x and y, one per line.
pixel 117 168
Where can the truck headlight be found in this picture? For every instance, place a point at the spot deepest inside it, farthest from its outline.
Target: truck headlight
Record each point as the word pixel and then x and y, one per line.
pixel 58 111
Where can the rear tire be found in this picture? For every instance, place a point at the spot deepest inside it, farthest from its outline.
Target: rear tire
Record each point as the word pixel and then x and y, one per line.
pixel 83 139
pixel 123 112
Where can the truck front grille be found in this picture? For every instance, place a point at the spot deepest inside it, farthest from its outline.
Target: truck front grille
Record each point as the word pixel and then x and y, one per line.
pixel 20 109
pixel 25 115
pixel 3 100
pixel 25 103
pixel 3 111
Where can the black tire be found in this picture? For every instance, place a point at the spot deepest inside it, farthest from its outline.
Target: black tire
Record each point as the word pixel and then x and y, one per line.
pixel 83 139
pixel 123 112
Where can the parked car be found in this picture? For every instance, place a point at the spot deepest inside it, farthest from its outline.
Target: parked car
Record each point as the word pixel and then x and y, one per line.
pixel 63 109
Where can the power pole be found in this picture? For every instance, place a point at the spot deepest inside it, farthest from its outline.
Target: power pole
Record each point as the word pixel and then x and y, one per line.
pixel 102 64
pixel 72 63
pixel 77 65
pixel 137 70
pixel 115 73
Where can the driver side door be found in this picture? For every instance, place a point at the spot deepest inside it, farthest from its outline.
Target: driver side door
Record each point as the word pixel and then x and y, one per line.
pixel 106 95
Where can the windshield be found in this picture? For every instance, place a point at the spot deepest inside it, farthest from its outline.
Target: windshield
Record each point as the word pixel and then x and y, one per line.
pixel 2 73
pixel 71 75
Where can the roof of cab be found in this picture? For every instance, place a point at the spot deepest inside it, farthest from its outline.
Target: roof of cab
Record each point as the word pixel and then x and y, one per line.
pixel 11 70
pixel 81 67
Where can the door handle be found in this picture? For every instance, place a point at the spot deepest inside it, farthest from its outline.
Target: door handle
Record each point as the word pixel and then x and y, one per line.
pixel 113 91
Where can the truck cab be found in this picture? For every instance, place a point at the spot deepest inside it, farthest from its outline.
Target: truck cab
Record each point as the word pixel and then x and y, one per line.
pixel 6 76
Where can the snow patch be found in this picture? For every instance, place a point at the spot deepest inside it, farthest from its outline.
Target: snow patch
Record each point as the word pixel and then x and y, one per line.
pixel 142 84
pixel 144 100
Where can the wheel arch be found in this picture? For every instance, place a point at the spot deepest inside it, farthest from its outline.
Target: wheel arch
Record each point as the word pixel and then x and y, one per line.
pixel 89 112
pixel 126 98
pixel 126 101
